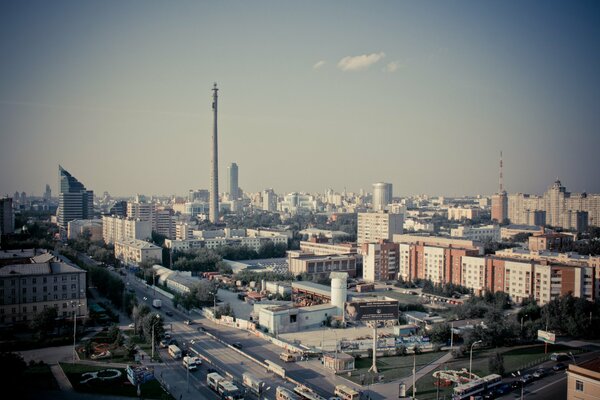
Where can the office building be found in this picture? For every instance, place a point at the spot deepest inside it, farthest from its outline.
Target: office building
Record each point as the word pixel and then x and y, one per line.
pixel 7 218
pixel 551 241
pixel 165 222
pixel 313 265
pixel 47 193
pixel 460 213
pixel 477 233
pixel 74 200
pixel 141 210
pixel 373 227
pixel 382 195
pixel 234 190
pixel 269 200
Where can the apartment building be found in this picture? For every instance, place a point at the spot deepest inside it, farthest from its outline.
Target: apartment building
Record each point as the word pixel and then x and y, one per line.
pixel 460 213
pixel 79 227
pixel 477 233
pixel 380 261
pixel 119 229
pixel 583 380
pixel 134 252
pixel 373 227
pixel 321 249
pixel 28 288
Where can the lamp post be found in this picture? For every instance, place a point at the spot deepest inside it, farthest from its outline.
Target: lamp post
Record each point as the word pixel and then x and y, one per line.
pixel 471 359
pixel 187 366
pixel 75 305
pixel 153 325
pixel 414 382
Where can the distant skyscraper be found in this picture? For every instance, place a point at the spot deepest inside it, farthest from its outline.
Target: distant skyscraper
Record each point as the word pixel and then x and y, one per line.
pixel 7 220
pixel 74 201
pixel 500 200
pixel 382 195
pixel 234 190
pixel 213 205
pixel 47 193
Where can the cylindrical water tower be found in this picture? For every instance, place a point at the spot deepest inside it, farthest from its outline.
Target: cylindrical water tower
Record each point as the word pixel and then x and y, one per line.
pixel 339 290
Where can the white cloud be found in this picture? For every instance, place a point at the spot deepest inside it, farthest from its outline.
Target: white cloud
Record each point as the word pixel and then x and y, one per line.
pixel 357 63
pixel 319 64
pixel 392 66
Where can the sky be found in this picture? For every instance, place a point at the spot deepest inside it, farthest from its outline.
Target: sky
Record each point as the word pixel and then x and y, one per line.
pixel 312 95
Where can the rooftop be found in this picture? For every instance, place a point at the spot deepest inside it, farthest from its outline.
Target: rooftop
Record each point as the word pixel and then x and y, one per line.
pixel 312 287
pixel 38 269
pixel 140 244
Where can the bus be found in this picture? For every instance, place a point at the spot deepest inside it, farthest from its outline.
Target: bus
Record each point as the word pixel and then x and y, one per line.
pixel 306 393
pixel 476 387
pixel 228 391
pixel 285 394
pixel 346 393
pixel 174 351
pixel 213 379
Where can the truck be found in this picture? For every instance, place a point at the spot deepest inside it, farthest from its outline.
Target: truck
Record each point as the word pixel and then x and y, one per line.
pixel 190 363
pixel 252 383
pixel 228 391
pixel 287 357
pixel 156 303
pixel 174 351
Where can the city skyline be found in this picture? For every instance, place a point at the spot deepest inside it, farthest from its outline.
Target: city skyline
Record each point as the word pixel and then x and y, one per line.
pixel 313 96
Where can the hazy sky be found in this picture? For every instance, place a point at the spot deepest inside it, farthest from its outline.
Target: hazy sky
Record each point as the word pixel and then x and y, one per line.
pixel 312 94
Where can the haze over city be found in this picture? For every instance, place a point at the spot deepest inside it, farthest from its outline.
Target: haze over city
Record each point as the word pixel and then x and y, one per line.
pixel 312 95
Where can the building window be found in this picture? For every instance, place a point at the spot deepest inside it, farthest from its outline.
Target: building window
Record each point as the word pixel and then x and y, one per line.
pixel 579 386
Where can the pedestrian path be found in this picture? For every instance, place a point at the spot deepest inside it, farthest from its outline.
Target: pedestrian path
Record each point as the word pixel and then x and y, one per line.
pixel 61 378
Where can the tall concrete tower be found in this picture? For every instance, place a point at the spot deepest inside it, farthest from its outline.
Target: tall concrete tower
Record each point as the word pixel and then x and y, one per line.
pixel 500 200
pixel 213 204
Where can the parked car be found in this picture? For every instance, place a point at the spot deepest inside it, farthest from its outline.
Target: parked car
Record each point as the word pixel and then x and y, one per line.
pixel 237 345
pixel 210 370
pixel 163 344
pixel 559 366
pixel 516 384
pixel 540 373
pixel 131 326
pixel 169 313
pixel 559 357
pixel 527 378
pixel 188 322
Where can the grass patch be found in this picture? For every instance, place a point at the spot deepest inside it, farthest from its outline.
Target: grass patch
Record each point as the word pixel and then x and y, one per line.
pixel 391 368
pixel 119 386
pixel 39 377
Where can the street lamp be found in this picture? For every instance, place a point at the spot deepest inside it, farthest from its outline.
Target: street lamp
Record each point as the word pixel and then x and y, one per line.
pixel 187 365
pixel 153 325
pixel 471 358
pixel 74 304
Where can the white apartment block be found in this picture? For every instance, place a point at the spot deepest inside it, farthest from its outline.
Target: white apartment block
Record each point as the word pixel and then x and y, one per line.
pixel 518 280
pixel 373 227
pixel 433 266
pixel 473 273
pixel 404 261
pixel 294 203
pixel 165 222
pixel 134 252
pixel 477 233
pixel 459 213
pixel 142 211
pixel 185 230
pixel 118 229
pixel 412 224
pixel 27 289
pixel 227 237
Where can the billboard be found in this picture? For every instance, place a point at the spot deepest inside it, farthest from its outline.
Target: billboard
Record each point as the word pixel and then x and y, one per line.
pixel 372 310
pixel 547 337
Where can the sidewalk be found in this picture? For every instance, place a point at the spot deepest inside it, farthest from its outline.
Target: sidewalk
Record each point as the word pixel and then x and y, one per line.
pixel 62 380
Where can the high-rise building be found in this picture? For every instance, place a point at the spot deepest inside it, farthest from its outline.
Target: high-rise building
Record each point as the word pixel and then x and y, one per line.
pixel 213 205
pixel 47 193
pixel 269 200
pixel 234 190
pixel 382 195
pixel 373 227
pixel 7 218
pixel 74 200
pixel 500 200
pixel 142 211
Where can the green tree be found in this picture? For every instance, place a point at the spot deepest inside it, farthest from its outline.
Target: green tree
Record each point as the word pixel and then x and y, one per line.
pixel 496 363
pixel 12 368
pixel 150 322
pixel 44 321
pixel 440 333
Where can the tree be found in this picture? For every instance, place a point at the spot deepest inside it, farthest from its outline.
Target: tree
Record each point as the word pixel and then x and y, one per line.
pixel 440 333
pixel 12 368
pixel 496 363
pixel 150 322
pixel 44 321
